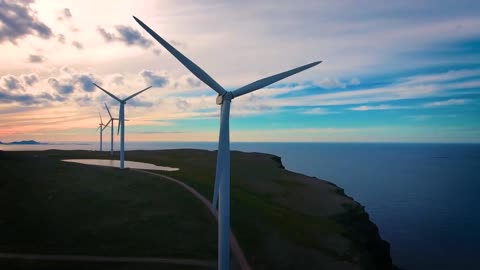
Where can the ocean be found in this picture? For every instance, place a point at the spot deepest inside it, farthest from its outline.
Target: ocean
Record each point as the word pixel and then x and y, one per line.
pixel 423 197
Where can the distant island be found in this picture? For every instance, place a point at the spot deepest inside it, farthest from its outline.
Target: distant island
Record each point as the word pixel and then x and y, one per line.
pixel 24 142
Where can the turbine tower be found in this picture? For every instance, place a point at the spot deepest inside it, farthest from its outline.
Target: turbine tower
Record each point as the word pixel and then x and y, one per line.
pixel 222 175
pixel 121 121
pixel 101 128
pixel 111 128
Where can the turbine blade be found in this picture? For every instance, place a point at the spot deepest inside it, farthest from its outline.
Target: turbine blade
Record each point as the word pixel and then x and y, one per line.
pixel 137 93
pixel 111 117
pixel 270 80
pixel 108 93
pixel 196 70
pixel 107 123
pixel 119 124
pixel 101 121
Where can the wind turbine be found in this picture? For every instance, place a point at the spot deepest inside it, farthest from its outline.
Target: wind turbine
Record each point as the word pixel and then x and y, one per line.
pixel 111 128
pixel 222 175
pixel 101 128
pixel 121 121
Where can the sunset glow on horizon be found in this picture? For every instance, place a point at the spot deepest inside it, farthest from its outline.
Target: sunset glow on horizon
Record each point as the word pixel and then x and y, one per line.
pixel 406 72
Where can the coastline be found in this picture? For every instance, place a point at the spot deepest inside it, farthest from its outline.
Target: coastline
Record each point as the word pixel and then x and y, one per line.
pixel 282 219
pixel 373 251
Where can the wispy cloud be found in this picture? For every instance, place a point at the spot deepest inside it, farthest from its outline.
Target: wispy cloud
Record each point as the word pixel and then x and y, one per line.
pixel 378 108
pixel 448 102
pixel 392 92
pixel 77 45
pixel 450 75
pixel 419 117
pixel 126 35
pixel 330 83
pixel 318 111
pixel 34 58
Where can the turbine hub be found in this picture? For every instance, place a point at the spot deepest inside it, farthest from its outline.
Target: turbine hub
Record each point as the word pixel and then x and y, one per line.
pixel 221 98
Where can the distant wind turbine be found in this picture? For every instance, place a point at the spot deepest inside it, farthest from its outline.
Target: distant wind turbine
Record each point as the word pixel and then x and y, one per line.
pixel 111 128
pixel 101 128
pixel 121 121
pixel 222 175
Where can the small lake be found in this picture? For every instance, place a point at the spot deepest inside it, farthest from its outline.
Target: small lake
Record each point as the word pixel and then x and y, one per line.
pixel 116 163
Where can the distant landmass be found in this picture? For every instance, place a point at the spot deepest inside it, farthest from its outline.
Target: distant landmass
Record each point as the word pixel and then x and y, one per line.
pixel 24 142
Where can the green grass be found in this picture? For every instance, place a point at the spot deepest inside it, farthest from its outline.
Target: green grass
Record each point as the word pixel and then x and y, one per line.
pixel 282 220
pixel 50 206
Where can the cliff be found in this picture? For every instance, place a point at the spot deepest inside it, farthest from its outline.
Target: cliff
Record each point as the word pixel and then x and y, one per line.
pixel 282 219
pixel 368 250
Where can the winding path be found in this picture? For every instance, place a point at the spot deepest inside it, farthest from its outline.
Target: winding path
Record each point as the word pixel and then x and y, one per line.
pixel 83 258
pixel 237 252
pixel 235 247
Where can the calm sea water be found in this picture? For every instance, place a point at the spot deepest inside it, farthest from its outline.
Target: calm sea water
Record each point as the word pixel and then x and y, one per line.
pixel 423 197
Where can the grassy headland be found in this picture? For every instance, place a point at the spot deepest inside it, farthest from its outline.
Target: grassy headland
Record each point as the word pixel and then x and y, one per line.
pixel 282 220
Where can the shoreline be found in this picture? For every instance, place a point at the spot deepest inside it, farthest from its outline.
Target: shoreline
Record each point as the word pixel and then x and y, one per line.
pixel 333 225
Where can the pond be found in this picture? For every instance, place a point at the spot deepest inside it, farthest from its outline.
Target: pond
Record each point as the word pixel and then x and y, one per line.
pixel 116 163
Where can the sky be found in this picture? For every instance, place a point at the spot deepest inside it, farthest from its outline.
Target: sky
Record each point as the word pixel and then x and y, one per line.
pixel 392 71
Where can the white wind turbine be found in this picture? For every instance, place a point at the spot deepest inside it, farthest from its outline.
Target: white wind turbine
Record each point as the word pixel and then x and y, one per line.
pixel 101 127
pixel 222 174
pixel 111 128
pixel 121 121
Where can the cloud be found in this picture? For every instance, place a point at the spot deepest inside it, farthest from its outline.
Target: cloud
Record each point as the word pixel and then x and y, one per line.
pixel 118 79
pixel 11 82
pixel 318 111
pixel 28 99
pixel 86 82
pixel 182 104
pixel 63 88
pixel 66 14
pixel 377 108
pixel 193 82
pixel 61 38
pixel 177 43
pixel 329 83
pixel 18 20
pixel 421 117
pixel 49 97
pixel 187 82
pixel 33 58
pixel 126 35
pixel 448 102
pixel 30 79
pixel 154 79
pixel 108 37
pixel 399 89
pixel 131 37
pixel 77 45
pixel 136 102
pixel 450 75
pixel 355 81
pixel 84 100
pixel 24 99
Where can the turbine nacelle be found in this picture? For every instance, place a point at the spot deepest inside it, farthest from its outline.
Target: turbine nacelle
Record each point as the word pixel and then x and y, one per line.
pixel 221 98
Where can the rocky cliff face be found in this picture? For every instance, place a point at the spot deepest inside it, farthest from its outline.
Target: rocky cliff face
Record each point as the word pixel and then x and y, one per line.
pixel 367 249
